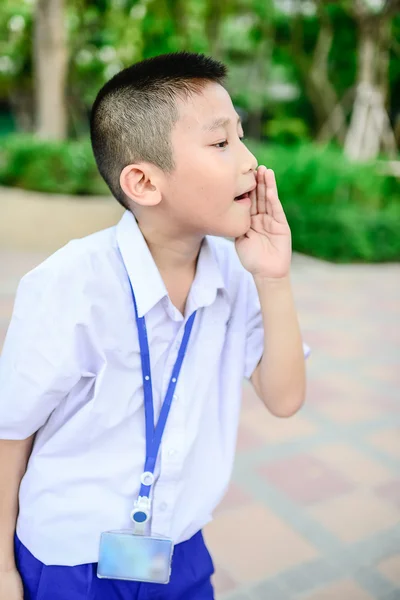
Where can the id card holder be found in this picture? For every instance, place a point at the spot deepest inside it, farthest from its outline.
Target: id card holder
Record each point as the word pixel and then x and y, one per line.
pixel 125 555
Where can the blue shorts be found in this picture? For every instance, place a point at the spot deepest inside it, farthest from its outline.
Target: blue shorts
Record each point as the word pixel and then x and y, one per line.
pixel 192 568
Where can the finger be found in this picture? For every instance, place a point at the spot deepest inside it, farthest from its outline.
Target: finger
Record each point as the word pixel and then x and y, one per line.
pixel 275 208
pixel 268 205
pixel 261 190
pixel 271 191
pixel 253 198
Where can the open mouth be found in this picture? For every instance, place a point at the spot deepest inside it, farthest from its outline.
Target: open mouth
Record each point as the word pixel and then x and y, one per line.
pixel 242 196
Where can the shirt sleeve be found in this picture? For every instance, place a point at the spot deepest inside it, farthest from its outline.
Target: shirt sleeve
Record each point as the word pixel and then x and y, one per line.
pixel 255 332
pixel 38 365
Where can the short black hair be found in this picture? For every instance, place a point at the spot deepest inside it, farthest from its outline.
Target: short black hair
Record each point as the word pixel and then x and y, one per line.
pixel 134 113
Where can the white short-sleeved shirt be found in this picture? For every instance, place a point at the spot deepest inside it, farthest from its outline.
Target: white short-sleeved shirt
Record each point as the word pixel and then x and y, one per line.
pixel 71 370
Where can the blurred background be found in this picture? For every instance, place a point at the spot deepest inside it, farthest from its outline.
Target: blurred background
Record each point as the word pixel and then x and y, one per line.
pixel 313 511
pixel 316 82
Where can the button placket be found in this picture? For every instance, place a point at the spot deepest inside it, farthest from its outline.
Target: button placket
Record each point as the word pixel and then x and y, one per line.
pixel 170 362
pixel 172 455
pixel 163 505
pixel 172 447
pixel 175 442
pixel 169 365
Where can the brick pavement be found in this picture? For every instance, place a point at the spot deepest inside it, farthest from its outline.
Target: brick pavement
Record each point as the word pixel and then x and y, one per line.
pixel 313 511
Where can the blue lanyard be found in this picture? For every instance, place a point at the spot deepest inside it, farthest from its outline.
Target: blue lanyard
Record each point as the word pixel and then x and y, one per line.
pixel 154 434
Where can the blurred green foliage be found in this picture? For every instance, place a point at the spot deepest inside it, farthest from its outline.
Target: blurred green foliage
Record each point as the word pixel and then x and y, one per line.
pixel 337 210
pixel 269 52
pixel 52 167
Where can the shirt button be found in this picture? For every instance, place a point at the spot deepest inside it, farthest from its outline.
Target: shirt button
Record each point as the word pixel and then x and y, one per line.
pixel 175 397
pixel 171 452
pixel 163 506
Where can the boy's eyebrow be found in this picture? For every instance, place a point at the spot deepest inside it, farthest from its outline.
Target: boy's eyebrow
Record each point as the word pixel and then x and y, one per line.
pixel 220 122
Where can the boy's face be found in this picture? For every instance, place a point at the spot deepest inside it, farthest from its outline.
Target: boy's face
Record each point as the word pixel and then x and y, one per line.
pixel 212 167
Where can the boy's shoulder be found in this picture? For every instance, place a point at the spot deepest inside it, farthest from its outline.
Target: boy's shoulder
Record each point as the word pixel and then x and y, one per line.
pixel 76 261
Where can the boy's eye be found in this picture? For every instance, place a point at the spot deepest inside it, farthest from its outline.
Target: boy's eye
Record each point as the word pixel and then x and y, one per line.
pixel 225 142
pixel 221 144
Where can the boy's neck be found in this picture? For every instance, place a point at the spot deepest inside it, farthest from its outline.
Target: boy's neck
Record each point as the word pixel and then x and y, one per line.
pixel 176 258
pixel 172 254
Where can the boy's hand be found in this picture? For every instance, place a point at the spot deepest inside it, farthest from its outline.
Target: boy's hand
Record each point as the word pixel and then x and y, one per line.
pixel 266 249
pixel 11 587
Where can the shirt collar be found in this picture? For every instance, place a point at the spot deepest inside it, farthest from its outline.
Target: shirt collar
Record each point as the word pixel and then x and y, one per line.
pixel 146 280
pixel 208 280
pixel 145 277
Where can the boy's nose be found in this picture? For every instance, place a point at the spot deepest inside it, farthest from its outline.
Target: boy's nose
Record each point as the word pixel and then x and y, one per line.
pixel 250 162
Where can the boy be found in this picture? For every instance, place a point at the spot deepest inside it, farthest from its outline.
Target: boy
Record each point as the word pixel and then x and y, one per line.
pixel 113 324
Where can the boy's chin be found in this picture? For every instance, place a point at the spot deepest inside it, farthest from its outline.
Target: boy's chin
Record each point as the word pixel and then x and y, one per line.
pixel 229 228
pixel 236 230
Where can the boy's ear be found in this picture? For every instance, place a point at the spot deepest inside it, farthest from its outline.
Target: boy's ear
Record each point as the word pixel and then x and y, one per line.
pixel 138 184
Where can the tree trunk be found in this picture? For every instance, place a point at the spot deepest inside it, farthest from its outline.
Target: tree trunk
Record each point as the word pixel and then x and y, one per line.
pixel 213 24
pixel 178 10
pixel 21 104
pixel 367 51
pixel 370 128
pixel 315 74
pixel 383 60
pixel 254 124
pixel 50 66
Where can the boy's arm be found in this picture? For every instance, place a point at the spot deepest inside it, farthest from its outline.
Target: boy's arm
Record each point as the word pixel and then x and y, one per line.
pixel 265 252
pixel 38 368
pixel 279 379
pixel 40 362
pixel 14 455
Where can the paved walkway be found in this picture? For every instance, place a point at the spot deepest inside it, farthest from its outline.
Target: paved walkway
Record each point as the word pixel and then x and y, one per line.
pixel 313 512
